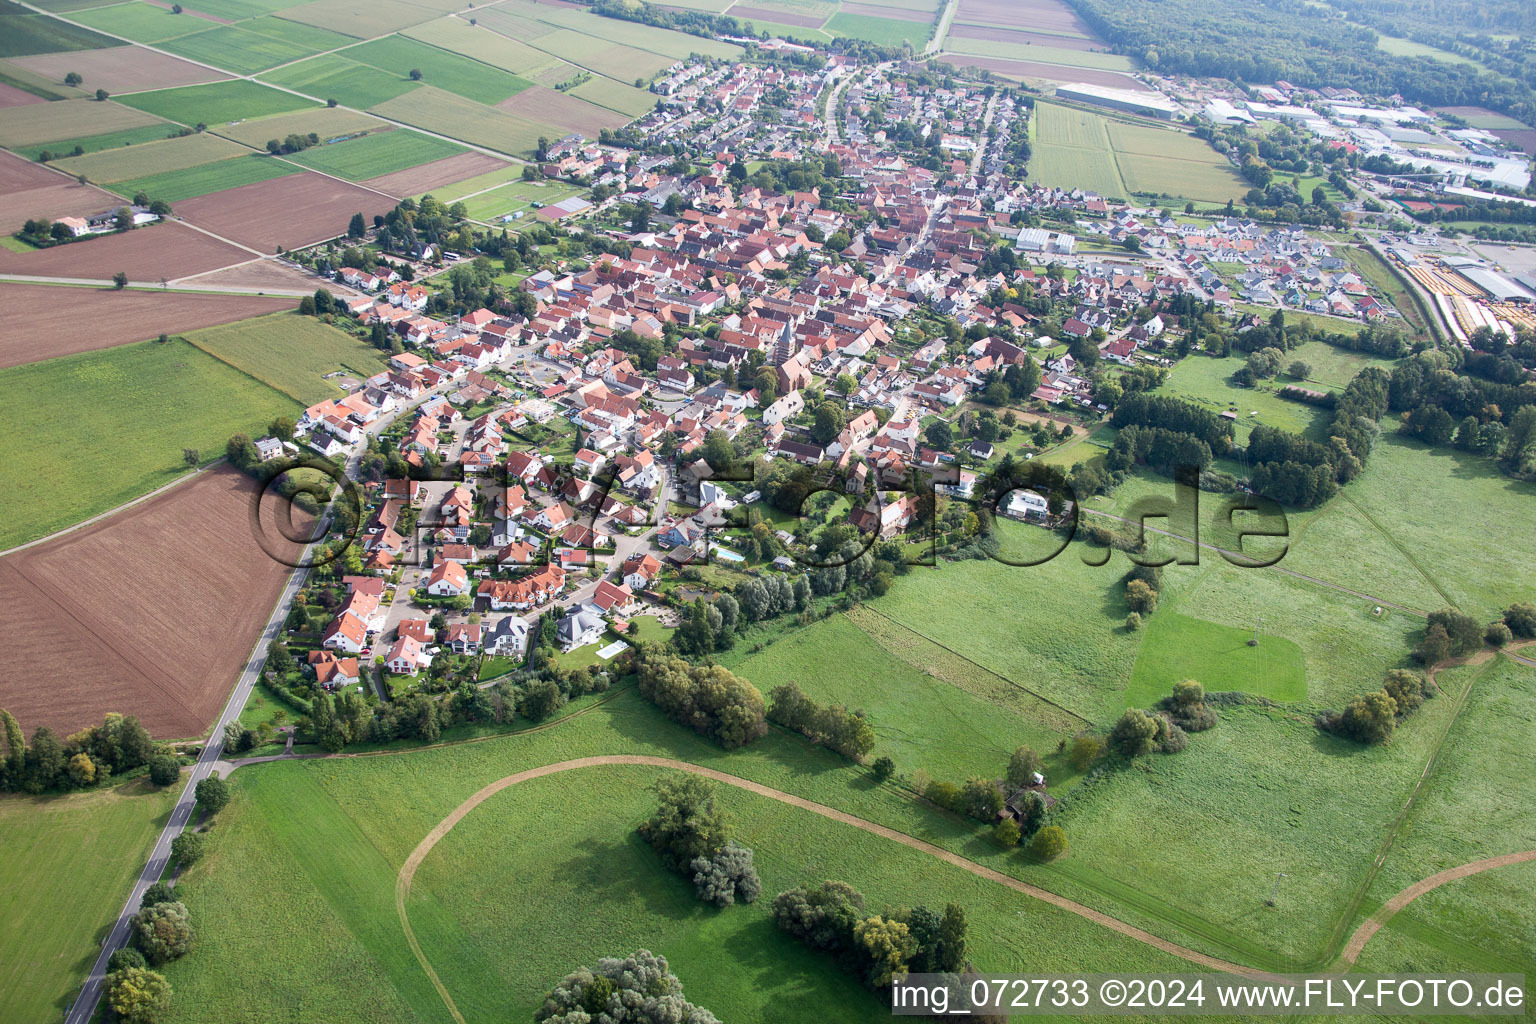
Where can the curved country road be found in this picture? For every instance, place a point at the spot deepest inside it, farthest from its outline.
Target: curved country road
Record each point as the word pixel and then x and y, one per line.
pixel 408 869
pixel 1389 909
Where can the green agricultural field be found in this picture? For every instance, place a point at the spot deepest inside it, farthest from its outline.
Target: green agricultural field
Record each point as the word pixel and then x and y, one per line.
pixel 311 838
pixel 141 22
pixel 1162 161
pixel 611 59
pixel 376 154
pixel 326 122
pixel 447 114
pixel 1177 647
pixel 626 99
pixel 216 104
pixel 26 34
pixel 97 143
pixel 882 31
pixel 191 182
pixel 922 721
pixel 676 45
pixel 256 45
pixel 36 123
pixel 124 414
pixel 468 78
pixel 333 76
pixel 69 864
pixel 151 158
pixel 482 44
pixel 291 353
pixel 512 173
pixel 519 195
pixel 1071 149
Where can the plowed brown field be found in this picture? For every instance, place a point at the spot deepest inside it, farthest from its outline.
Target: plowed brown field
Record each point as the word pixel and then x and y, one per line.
pixel 290 211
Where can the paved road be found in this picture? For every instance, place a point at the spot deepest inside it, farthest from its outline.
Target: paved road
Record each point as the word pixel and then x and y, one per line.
pixel 85 1006
pixel 943 28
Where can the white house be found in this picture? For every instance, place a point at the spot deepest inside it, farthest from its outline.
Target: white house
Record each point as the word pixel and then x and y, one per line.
pixel 448 579
pixel 407 657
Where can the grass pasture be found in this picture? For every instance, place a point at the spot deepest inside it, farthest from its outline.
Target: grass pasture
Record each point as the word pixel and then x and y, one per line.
pixel 922 721
pixel 377 153
pixel 191 182
pixel 1177 647
pixel 1207 382
pixel 313 839
pixel 626 99
pixel 457 74
pixel 124 414
pixel 1163 161
pixel 290 353
pixel 332 76
pixel 70 862
pixel 1012 50
pixel 518 195
pixel 218 103
pixel 1072 149
pixel 881 31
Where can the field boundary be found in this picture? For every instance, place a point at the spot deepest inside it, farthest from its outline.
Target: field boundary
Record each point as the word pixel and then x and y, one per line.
pixel 1434 583
pixel 854 615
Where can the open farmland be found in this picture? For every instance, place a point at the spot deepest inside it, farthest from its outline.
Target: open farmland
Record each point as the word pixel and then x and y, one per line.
pixel 879 30
pixel 376 154
pixel 270 274
pixel 124 415
pixel 1178 648
pixel 1037 71
pixel 326 122
pixel 291 211
pixel 216 104
pixel 447 171
pixel 611 59
pixel 155 132
pixel 618 96
pixel 103 318
pixel 147 255
pixel 484 45
pixel 121 69
pixel 27 33
pixel 150 612
pixel 69 863
pixel 991 46
pixel 436 110
pixel 10 96
pixel 255 46
pixel 565 109
pixel 1041 15
pixel 174 186
pixel 333 76
pixel 1071 148
pixel 151 158
pixel 141 22
pixel 291 353
pixel 29 190
pixel 360 18
pixel 66 119
pixel 1168 162
pixel 471 79
pixel 518 195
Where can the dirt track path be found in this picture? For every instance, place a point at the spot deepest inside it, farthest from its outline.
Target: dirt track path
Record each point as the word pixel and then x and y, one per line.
pixel 408 869
pixel 1352 949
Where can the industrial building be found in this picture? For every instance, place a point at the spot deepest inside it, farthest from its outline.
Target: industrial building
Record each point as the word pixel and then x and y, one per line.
pixel 1132 101
pixel 1043 241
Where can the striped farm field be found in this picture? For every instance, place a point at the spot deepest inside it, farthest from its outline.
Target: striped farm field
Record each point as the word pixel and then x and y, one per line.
pixel 881 31
pixel 676 45
pixel 1046 54
pixel 141 22
pixel 332 76
pixel 606 92
pixel 68 119
pixel 255 46
pixel 1165 161
pixel 362 20
pixel 218 103
pixel 443 112
pixel 457 74
pixel 123 162
pixel 1071 149
pixel 485 45
pixel 376 154
pixel 611 59
pixel 290 353
pixel 156 132
pixel 326 122
pixel 204 179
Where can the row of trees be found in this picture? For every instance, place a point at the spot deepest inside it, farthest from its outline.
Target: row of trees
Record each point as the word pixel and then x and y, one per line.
pixel 83 759
pixel 832 917
pixel 709 699
pixel 831 725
